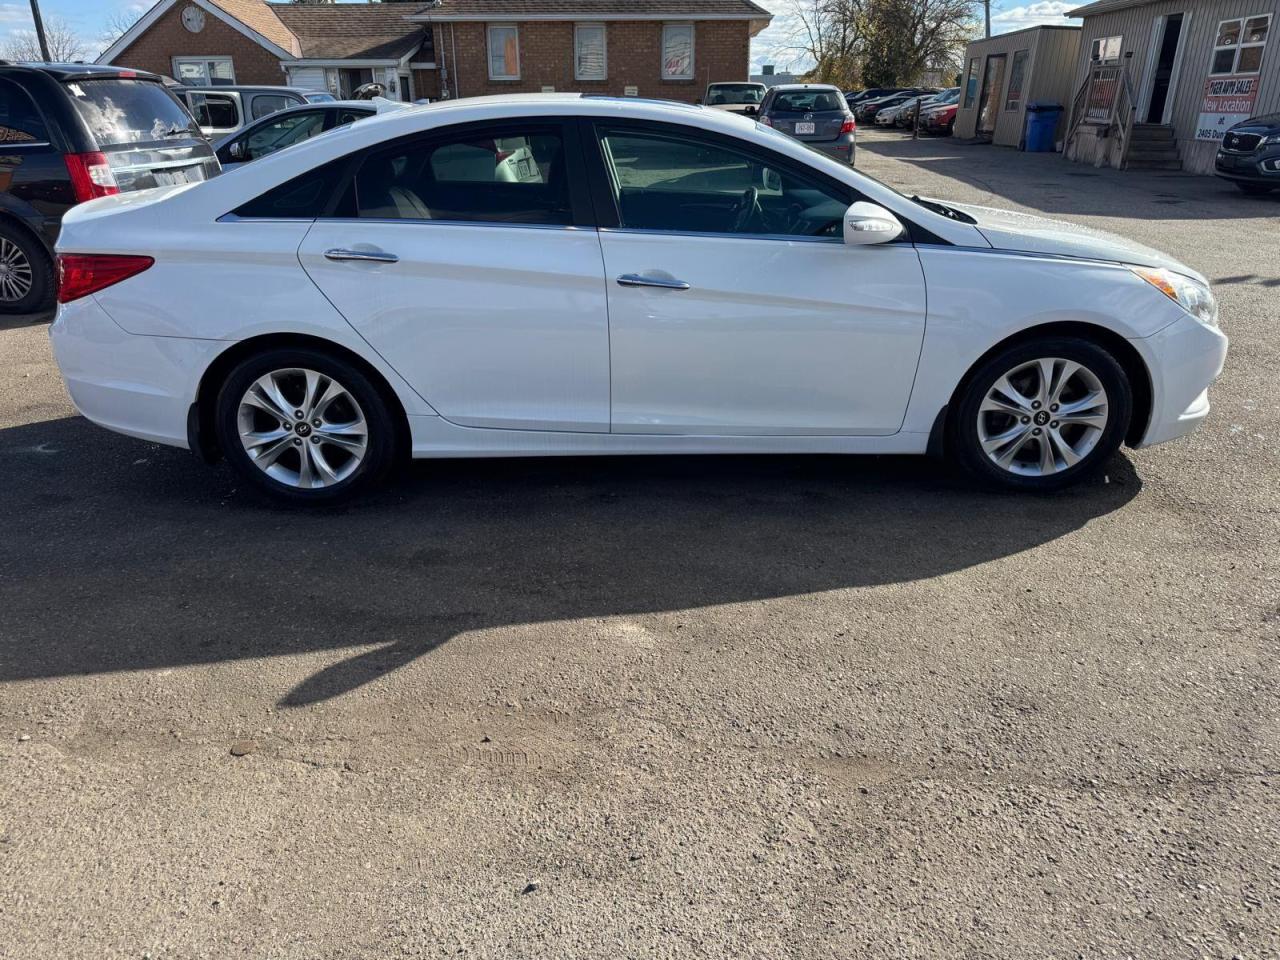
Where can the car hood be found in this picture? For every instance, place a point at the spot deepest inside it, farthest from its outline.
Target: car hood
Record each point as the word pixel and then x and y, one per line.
pixel 1008 230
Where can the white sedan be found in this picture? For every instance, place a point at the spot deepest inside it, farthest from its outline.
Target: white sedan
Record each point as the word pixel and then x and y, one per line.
pixel 652 279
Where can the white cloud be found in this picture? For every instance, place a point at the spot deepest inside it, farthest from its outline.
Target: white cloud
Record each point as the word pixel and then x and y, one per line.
pixel 1044 11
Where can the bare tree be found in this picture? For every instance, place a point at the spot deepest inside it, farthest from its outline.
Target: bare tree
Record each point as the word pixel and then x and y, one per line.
pixel 118 23
pixel 881 42
pixel 65 45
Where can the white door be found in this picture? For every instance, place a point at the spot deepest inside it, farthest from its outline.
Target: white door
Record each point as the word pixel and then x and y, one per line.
pixel 473 284
pixel 735 308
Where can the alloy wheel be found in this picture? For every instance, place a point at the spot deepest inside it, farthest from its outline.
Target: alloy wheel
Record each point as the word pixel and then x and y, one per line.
pixel 16 277
pixel 302 428
pixel 1042 417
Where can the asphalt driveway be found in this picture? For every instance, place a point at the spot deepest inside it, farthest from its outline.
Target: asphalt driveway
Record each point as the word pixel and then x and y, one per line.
pixel 670 707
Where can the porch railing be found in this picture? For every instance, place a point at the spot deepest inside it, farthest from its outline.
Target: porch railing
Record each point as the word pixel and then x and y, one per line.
pixel 1106 99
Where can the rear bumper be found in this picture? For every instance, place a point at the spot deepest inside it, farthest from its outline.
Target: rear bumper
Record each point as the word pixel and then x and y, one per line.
pixel 1184 359
pixel 841 149
pixel 136 385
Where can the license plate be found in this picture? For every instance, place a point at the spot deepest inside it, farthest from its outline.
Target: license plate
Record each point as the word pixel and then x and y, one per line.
pixel 804 128
pixel 171 178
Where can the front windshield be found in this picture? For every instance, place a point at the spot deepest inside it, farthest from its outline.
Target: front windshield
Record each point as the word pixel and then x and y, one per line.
pixel 732 93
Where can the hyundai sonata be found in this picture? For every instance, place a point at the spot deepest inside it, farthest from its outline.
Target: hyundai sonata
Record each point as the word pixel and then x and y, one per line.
pixel 554 274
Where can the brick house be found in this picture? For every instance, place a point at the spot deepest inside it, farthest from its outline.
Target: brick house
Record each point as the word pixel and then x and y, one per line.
pixel 451 48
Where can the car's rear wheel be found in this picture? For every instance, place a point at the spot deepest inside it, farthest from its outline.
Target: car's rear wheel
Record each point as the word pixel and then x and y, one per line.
pixel 26 273
pixel 1042 414
pixel 304 426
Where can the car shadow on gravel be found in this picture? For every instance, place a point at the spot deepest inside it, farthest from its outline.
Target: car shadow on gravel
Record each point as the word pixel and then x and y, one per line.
pixel 123 555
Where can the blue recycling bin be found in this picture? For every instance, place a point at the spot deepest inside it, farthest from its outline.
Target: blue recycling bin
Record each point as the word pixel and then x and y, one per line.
pixel 1042 121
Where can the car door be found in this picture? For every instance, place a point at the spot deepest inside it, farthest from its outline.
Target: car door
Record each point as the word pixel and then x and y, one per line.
pixel 735 308
pixel 484 290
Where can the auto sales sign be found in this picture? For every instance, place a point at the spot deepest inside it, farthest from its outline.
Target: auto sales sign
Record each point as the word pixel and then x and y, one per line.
pixel 1227 101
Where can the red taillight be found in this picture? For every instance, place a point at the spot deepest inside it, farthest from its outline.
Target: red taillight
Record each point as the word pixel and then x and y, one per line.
pixel 849 125
pixel 80 274
pixel 91 176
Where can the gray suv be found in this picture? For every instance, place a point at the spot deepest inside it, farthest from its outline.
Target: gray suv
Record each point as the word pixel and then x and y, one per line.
pixel 815 114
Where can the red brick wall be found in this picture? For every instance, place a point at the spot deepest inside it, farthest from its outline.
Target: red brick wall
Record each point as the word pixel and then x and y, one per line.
pixel 634 51
pixel 168 38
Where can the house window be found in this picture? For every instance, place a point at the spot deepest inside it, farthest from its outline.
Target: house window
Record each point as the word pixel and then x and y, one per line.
pixel 1238 48
pixel 971 84
pixel 677 51
pixel 1017 76
pixel 204 71
pixel 1106 50
pixel 589 58
pixel 504 52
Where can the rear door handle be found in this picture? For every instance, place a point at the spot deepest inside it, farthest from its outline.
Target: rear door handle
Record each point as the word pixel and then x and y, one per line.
pixel 367 256
pixel 638 280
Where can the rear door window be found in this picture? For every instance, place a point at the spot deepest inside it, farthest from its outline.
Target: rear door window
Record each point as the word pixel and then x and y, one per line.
pixel 217 110
pixel 265 104
pixel 20 121
pixel 120 112
pixel 501 176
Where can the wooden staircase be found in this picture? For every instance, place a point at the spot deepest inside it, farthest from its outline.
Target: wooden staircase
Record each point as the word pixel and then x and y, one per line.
pixel 1153 147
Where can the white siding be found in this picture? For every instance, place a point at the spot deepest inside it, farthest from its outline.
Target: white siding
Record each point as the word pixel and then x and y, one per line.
pixel 308 78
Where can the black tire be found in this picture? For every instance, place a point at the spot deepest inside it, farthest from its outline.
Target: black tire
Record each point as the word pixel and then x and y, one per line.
pixel 1254 189
pixel 965 443
pixel 39 269
pixel 382 439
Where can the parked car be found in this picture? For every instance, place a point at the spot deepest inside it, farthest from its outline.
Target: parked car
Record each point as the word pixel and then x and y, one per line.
pixel 894 116
pixel 1250 154
pixel 814 114
pixel 221 110
pixel 906 115
pixel 317 96
pixel 941 121
pixel 853 98
pixel 70 133
pixel 868 110
pixel 735 97
pixel 293 125
pixel 339 305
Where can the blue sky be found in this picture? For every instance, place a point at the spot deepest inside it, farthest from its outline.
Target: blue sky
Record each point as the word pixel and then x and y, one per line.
pixel 89 19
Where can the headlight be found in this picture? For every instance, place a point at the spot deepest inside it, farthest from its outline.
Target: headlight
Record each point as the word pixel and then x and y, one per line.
pixel 1274 138
pixel 1191 295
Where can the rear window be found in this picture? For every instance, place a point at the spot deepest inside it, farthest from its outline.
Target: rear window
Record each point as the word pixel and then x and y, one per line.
pixel 808 101
pixel 124 112
pixel 729 93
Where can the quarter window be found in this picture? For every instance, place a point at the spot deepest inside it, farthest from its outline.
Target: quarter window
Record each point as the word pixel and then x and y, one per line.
pixel 504 176
pixel 1106 49
pixel 504 53
pixel 677 51
pixel 589 60
pixel 1239 45
pixel 1017 76
pixel 670 183
pixel 20 121
pixel 204 71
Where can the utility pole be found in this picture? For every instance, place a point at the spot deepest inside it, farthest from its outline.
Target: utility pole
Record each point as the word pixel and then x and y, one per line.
pixel 986 4
pixel 44 43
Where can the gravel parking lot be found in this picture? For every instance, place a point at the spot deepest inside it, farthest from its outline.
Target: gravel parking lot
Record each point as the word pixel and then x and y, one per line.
pixel 739 707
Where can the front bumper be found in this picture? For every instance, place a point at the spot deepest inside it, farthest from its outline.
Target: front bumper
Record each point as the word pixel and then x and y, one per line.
pixel 1262 166
pixel 136 385
pixel 1184 359
pixel 842 148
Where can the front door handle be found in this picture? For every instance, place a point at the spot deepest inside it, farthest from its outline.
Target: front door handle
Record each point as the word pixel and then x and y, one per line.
pixel 638 280
pixel 366 256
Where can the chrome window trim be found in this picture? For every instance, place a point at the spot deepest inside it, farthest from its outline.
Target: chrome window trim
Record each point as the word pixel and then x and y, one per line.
pixel 235 218
pixel 721 235
pixel 6 147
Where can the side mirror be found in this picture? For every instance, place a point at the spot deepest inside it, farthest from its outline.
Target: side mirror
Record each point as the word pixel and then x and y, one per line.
pixel 869 223
pixel 770 180
pixel 749 111
pixel 236 150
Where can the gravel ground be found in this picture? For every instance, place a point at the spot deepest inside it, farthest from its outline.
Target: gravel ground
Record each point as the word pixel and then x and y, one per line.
pixel 740 707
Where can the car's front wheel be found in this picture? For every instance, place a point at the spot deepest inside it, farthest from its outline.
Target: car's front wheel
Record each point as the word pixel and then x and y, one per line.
pixel 304 426
pixel 1042 414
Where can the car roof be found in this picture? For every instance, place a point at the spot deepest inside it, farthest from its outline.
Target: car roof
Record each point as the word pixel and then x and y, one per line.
pixel 79 71
pixel 786 87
